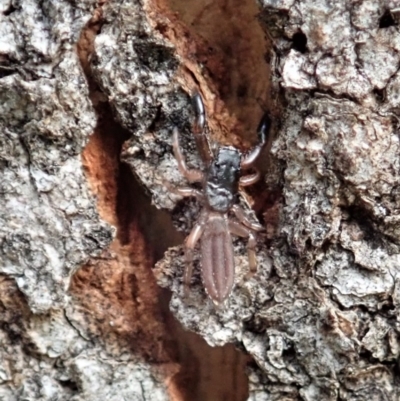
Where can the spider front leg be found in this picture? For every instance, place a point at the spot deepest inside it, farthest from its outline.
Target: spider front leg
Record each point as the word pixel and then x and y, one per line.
pixel 191 175
pixel 249 179
pixel 244 232
pixel 249 160
pixel 202 144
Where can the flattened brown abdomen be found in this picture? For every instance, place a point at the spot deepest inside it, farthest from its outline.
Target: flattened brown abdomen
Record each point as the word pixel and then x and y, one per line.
pixel 218 267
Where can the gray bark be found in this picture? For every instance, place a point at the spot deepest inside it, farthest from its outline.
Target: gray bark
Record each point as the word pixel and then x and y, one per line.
pixel 52 344
pixel 319 319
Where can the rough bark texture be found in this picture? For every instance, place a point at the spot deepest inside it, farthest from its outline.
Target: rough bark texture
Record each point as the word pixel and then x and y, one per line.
pixel 82 315
pixel 88 341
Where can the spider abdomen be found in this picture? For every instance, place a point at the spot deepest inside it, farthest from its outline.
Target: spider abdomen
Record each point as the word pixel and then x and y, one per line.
pixel 218 267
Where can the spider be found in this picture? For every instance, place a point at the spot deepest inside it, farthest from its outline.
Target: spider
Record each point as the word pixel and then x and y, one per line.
pixel 220 179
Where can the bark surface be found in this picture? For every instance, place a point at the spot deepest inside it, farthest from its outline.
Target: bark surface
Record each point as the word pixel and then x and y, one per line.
pixel 90 94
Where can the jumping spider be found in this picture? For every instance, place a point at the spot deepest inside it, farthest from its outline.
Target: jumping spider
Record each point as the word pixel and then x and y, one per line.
pixel 220 180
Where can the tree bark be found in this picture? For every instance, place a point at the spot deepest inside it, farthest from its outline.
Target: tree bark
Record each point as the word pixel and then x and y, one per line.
pixel 90 93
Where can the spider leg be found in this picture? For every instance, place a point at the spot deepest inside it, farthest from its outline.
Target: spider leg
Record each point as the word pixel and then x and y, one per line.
pixel 245 232
pixel 198 107
pixel 190 244
pixel 203 146
pixel 191 175
pixel 185 192
pixel 241 216
pixel 249 179
pixel 263 131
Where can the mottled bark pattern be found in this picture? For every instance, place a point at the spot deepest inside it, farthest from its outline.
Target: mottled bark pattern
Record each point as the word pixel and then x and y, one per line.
pixel 320 318
pixel 325 325
pixel 332 330
pixel 56 344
